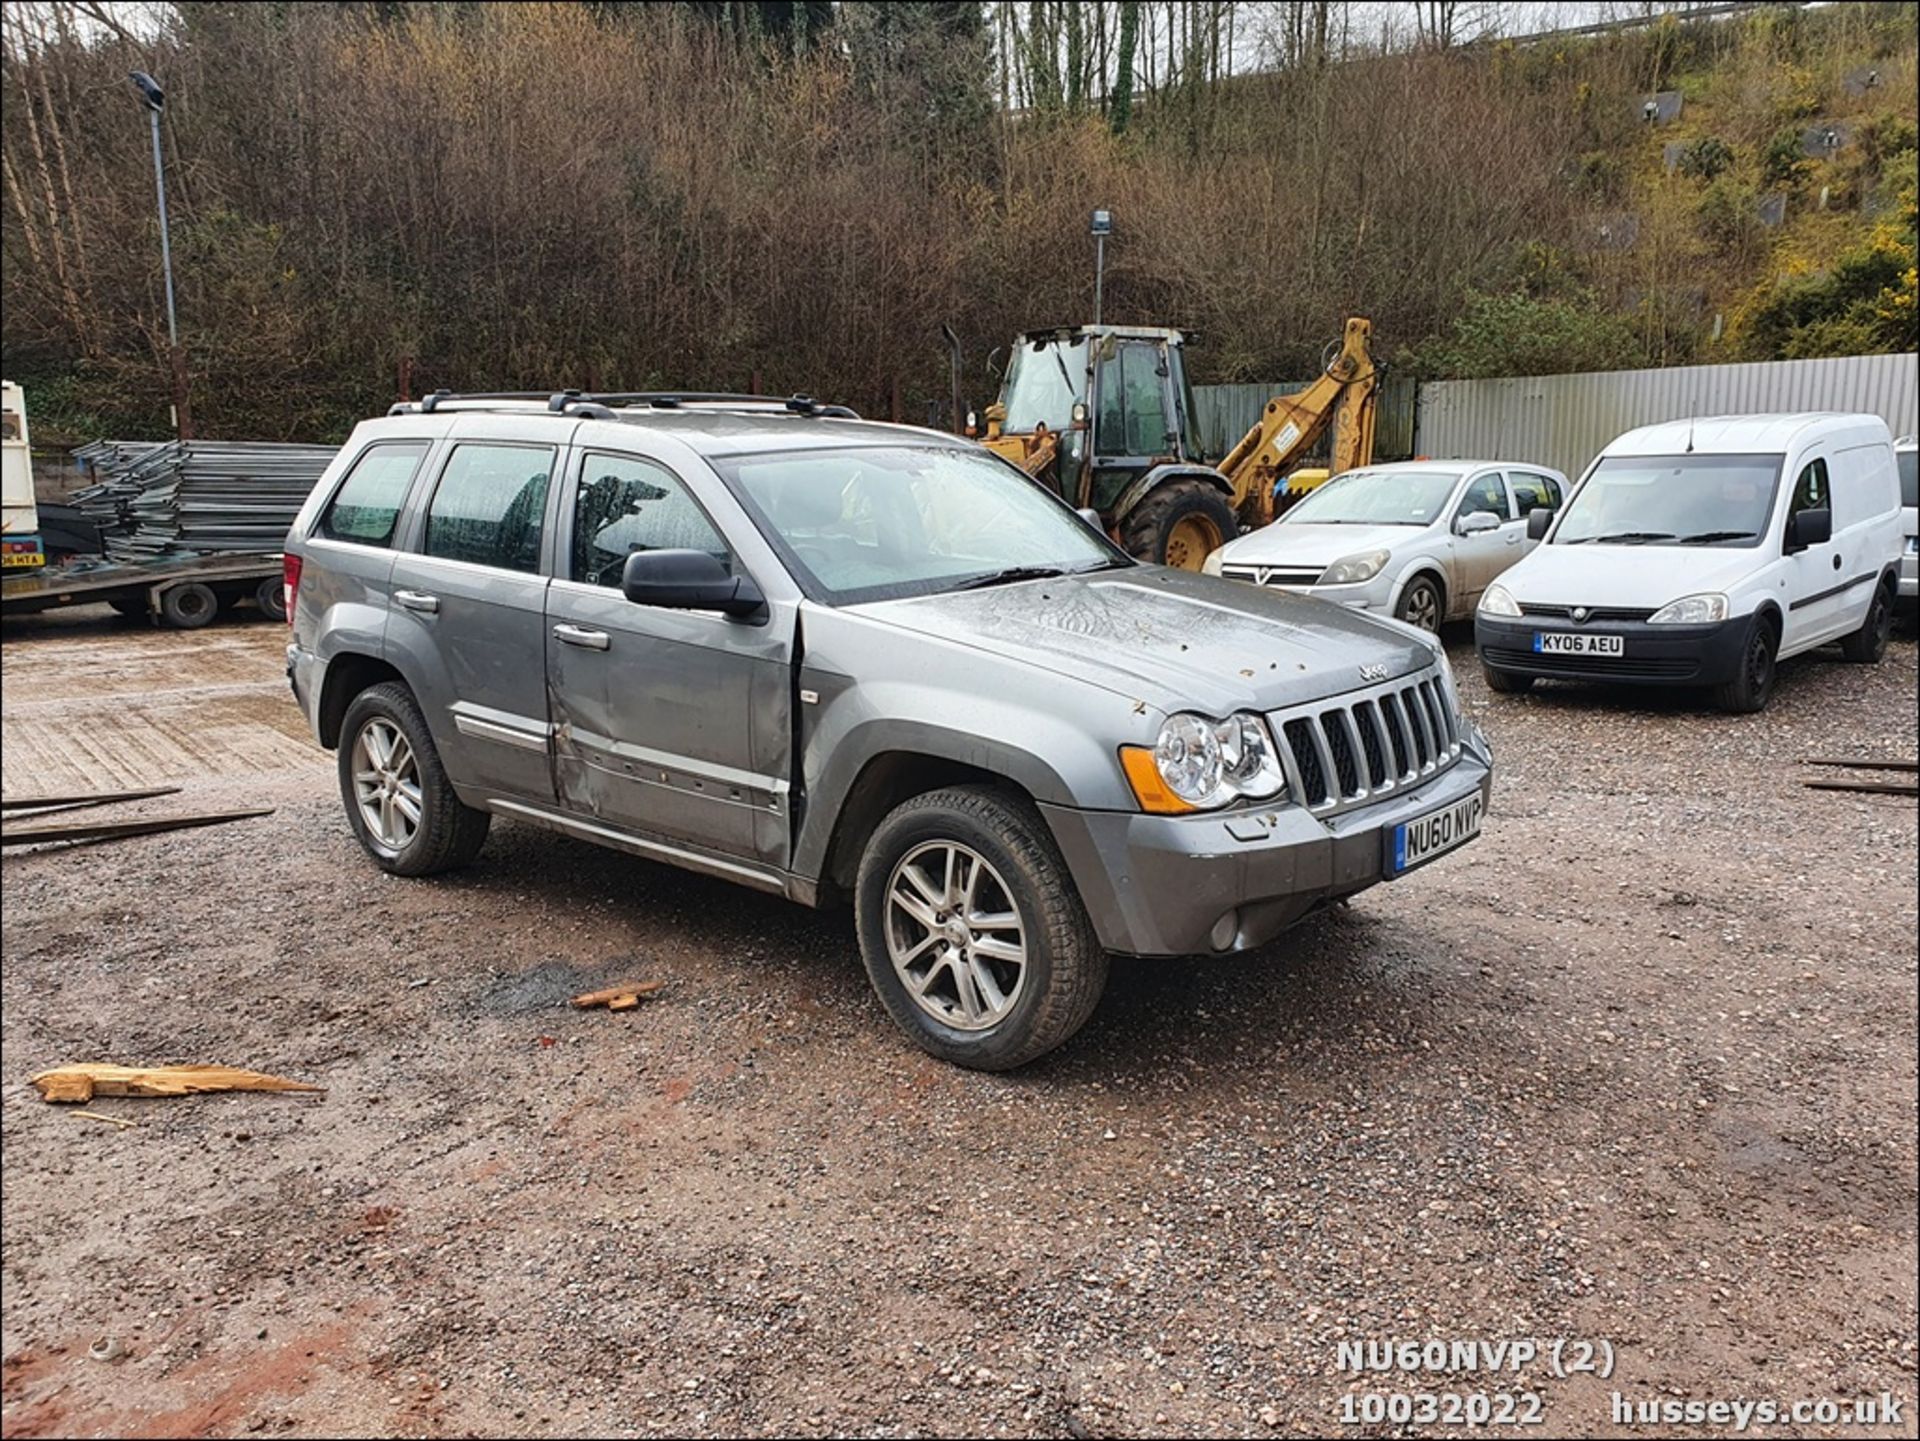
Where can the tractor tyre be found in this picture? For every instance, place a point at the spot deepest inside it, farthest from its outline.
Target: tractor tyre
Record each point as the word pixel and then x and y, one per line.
pixel 1179 525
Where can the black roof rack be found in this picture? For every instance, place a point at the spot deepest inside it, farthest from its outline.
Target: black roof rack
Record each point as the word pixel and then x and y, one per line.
pixel 600 405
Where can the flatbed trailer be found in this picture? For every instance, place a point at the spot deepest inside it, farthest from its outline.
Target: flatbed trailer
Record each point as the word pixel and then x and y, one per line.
pixel 183 592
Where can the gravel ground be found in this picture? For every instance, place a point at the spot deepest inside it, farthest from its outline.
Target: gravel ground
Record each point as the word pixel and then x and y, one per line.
pixel 1638 1068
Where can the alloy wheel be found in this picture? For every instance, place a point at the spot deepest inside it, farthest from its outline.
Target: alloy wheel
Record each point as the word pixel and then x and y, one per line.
pixel 954 936
pixel 1423 608
pixel 386 783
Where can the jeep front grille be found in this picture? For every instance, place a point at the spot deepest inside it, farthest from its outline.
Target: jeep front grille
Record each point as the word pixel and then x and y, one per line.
pixel 1367 744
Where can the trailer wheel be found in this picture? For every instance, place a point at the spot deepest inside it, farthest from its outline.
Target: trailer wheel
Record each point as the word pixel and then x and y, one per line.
pixel 189 606
pixel 271 597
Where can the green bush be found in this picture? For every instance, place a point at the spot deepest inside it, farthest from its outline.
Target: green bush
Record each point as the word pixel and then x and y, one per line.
pixel 1781 163
pixel 1518 334
pixel 1706 158
pixel 1729 215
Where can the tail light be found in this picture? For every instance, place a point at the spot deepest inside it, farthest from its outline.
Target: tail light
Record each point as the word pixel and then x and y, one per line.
pixel 290 572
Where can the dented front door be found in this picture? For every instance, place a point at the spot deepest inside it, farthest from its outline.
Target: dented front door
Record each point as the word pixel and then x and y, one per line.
pixel 671 723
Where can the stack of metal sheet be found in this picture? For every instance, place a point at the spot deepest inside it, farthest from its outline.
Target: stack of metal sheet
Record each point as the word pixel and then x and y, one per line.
pixel 196 496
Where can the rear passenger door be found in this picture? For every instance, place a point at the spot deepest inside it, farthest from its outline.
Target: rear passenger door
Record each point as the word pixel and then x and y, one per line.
pixel 673 723
pixel 469 610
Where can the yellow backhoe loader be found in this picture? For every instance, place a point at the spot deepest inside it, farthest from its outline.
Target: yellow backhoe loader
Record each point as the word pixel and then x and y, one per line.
pixel 1104 414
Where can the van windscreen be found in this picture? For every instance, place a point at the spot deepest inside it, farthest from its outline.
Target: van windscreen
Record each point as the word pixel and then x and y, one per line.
pixel 1719 500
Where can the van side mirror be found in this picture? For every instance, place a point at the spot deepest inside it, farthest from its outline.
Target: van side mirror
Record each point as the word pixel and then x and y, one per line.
pixel 1476 522
pixel 1539 522
pixel 1808 528
pixel 688 580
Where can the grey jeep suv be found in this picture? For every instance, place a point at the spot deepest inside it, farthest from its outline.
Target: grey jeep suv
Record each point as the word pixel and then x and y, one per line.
pixel 844 661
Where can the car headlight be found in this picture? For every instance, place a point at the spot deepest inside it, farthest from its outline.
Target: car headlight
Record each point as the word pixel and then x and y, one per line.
pixel 1211 565
pixel 1497 600
pixel 1691 610
pixel 1196 764
pixel 1355 568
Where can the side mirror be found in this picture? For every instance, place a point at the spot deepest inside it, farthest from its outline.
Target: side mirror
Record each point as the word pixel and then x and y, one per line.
pixel 688 580
pixel 1808 528
pixel 1092 518
pixel 1539 522
pixel 1477 522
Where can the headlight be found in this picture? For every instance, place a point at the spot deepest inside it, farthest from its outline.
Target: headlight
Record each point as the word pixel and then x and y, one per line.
pixel 1211 565
pixel 1496 600
pixel 1196 764
pixel 1691 610
pixel 1355 568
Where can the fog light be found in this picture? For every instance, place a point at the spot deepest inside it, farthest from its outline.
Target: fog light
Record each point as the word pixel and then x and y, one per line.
pixel 1224 930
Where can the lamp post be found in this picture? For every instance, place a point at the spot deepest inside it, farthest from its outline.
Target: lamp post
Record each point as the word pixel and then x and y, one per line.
pixel 1101 228
pixel 155 99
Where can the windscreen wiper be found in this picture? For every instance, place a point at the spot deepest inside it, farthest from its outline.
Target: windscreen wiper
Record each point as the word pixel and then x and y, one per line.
pixel 1636 537
pixel 1011 574
pixel 1707 537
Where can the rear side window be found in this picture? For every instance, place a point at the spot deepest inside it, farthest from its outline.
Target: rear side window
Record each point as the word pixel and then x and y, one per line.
pixel 1533 492
pixel 368 502
pixel 490 505
pixel 627 504
pixel 1909 463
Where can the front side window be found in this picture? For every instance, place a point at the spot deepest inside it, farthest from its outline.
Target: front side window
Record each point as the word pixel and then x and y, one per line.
pixel 1723 500
pixel 368 502
pixel 626 505
pixel 490 505
pixel 1484 493
pixel 1376 497
pixel 1533 492
pixel 879 522
pixel 1811 491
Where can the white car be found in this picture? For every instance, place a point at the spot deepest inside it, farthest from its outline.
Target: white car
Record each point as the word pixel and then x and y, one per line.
pixel 1701 552
pixel 1418 540
pixel 1906 457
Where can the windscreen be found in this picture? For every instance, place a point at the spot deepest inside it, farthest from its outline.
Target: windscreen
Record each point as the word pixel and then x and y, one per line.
pixel 1722 500
pixel 1043 384
pixel 1909 477
pixel 885 521
pixel 1377 497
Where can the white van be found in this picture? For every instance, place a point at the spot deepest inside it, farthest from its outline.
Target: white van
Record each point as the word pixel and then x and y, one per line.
pixel 1700 553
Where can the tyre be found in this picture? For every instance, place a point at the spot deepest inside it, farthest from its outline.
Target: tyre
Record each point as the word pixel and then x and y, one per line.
pixel 401 806
pixel 271 597
pixel 1506 682
pixel 972 931
pixel 1866 645
pixel 1422 604
pixel 189 606
pixel 1752 685
pixel 1180 524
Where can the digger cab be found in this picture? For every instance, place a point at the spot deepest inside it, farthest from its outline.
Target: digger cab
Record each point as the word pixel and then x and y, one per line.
pixel 1115 400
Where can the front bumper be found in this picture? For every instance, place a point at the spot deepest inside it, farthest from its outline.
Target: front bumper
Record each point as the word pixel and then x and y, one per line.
pixel 1695 655
pixel 1158 885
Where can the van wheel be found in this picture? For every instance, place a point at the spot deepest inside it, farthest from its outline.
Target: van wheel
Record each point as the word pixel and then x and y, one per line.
pixel 972 931
pixel 1506 682
pixel 401 806
pixel 1752 685
pixel 1866 645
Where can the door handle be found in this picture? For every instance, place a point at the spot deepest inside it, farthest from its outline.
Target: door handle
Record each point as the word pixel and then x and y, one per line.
pixel 587 639
pixel 415 600
pixel 1514 539
pixel 1836 562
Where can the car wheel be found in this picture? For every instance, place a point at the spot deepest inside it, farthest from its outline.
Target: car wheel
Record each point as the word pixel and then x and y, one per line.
pixel 1752 685
pixel 972 931
pixel 1506 682
pixel 189 606
pixel 1180 524
pixel 401 806
pixel 1866 645
pixel 1421 604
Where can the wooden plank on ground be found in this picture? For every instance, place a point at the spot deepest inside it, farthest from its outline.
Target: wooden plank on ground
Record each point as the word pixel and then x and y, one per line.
pixel 635 989
pixel 97 798
pixel 120 830
pixel 1882 788
pixel 86 1080
pixel 1864 764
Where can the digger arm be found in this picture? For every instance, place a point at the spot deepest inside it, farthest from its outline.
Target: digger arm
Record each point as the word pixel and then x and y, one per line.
pixel 1288 428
